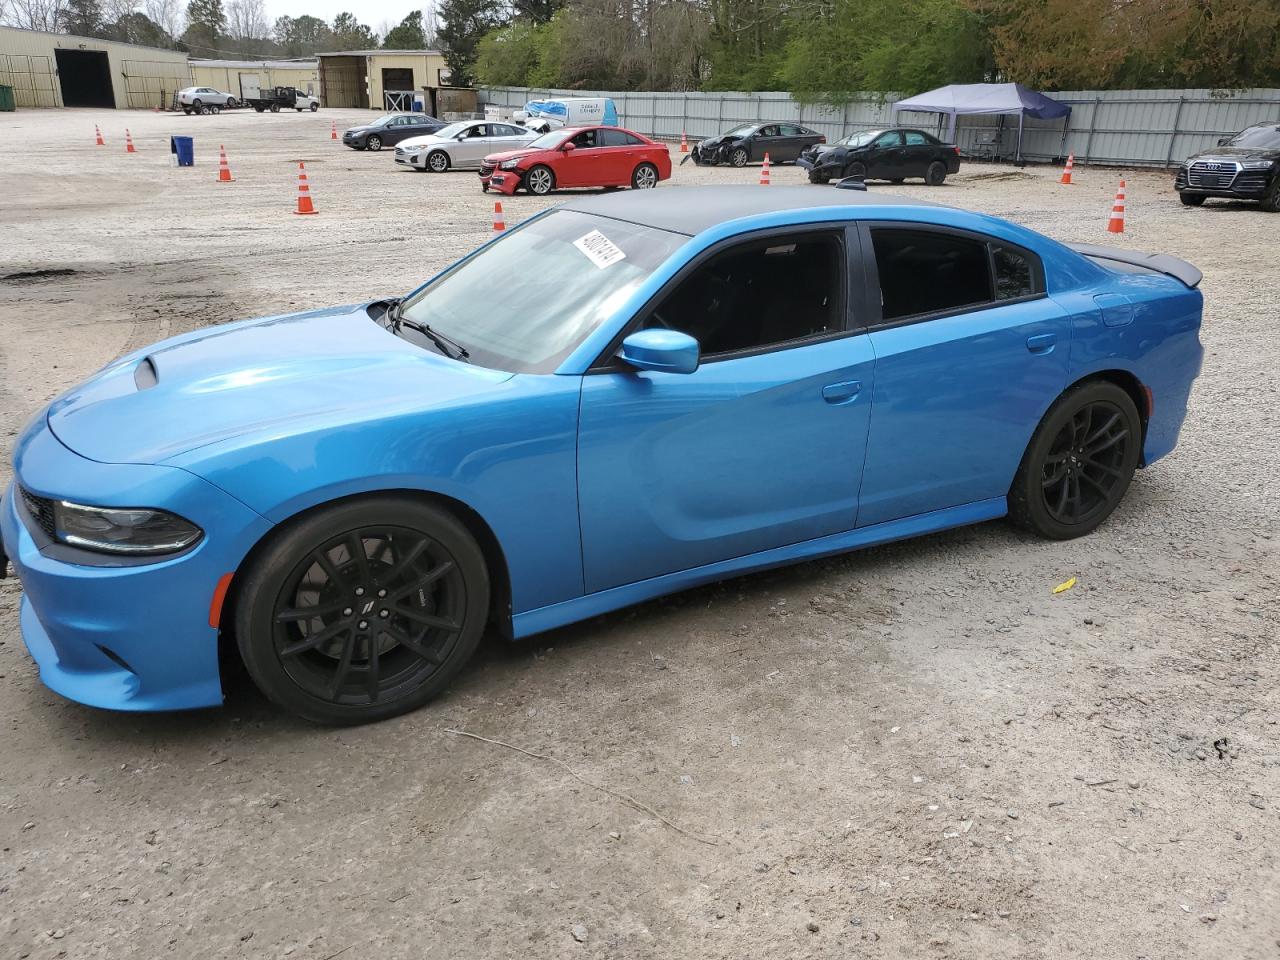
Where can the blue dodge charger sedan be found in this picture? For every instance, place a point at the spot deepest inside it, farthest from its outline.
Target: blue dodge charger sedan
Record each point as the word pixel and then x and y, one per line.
pixel 701 382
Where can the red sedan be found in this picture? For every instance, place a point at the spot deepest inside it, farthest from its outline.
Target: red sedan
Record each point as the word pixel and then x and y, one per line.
pixel 578 157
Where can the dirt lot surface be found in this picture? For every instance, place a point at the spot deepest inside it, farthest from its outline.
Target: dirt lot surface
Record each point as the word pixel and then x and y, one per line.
pixel 915 751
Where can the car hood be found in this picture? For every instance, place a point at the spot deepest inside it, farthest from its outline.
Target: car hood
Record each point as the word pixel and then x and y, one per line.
pixel 510 155
pixel 427 140
pixel 359 130
pixel 1237 153
pixel 334 366
pixel 723 138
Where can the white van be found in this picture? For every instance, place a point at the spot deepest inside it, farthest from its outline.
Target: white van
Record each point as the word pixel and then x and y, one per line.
pixel 544 115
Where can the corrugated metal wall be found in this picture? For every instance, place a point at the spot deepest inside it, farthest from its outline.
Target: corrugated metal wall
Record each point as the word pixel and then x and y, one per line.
pixel 1124 127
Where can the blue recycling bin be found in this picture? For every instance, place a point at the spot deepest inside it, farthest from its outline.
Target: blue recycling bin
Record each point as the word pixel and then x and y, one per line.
pixel 185 149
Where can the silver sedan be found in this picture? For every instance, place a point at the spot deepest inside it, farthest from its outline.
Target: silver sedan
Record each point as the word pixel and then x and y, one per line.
pixel 462 145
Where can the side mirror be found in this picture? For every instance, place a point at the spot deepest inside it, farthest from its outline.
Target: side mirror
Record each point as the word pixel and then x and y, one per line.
pixel 568 147
pixel 668 351
pixel 1223 141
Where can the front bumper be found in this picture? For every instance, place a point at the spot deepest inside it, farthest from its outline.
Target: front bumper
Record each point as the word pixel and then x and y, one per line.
pixel 1231 185
pixel 504 181
pixel 407 158
pixel 132 637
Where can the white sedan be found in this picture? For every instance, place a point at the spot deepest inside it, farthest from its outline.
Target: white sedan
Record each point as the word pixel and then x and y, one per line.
pixel 462 145
pixel 200 99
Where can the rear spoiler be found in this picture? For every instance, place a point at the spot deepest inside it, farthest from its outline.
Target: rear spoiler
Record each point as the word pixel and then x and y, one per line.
pixel 1159 262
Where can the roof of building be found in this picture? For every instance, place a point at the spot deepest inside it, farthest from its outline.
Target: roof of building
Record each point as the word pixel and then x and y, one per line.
pixel 61 38
pixel 298 64
pixel 690 210
pixel 381 53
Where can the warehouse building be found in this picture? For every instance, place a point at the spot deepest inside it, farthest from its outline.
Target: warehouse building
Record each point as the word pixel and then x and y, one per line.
pixel 60 70
pixel 238 77
pixel 382 79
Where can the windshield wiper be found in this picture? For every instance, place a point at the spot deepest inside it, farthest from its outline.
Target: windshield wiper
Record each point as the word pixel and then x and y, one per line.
pixel 450 348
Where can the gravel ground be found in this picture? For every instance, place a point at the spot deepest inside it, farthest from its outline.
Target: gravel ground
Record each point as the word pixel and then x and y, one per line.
pixel 914 751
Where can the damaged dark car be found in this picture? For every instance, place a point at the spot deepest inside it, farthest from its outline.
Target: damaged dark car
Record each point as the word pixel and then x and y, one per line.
pixel 1243 167
pixel 894 155
pixel 751 142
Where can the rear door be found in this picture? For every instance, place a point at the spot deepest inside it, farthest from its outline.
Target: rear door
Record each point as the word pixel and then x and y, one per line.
pixel 792 139
pixel 760 447
pixel 918 152
pixel 970 352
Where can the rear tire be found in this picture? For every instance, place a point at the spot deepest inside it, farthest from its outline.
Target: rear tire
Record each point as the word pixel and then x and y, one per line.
pixel 400 595
pixel 275 108
pixel 645 177
pixel 231 103
pixel 1192 199
pixel 936 174
pixel 1079 462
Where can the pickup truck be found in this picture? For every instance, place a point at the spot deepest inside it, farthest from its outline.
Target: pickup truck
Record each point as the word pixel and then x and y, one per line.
pixel 277 98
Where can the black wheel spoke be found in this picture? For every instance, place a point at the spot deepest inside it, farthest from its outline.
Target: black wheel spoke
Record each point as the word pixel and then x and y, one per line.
pixel 1098 465
pixel 427 619
pixel 289 615
pixel 355 547
pixel 1106 444
pixel 313 640
pixel 326 564
pixel 1102 431
pixel 1100 488
pixel 412 644
pixel 414 552
pixel 371 674
pixel 343 668
pixel 428 578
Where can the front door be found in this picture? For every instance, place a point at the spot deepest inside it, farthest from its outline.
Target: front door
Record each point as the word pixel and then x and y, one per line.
pixel 761 447
pixel 967 362
pixel 581 166
pixel 474 145
pixel 885 157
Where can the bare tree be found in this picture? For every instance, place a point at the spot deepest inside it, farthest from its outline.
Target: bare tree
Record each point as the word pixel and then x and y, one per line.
pixel 170 15
pixel 247 19
pixel 431 23
pixel 32 14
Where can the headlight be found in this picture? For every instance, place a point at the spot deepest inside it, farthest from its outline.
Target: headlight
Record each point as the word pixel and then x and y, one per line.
pixel 1257 164
pixel 509 164
pixel 130 530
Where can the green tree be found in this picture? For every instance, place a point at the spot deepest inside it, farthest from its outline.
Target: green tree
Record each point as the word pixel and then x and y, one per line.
pixel 464 23
pixel 139 28
pixel 350 34
pixel 408 35
pixel 206 22
pixel 302 36
pixel 508 56
pixel 81 17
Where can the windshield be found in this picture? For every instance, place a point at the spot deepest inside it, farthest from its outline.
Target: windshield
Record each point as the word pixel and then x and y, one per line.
pixel 452 130
pixel 859 139
pixel 549 141
pixel 1263 136
pixel 740 130
pixel 526 302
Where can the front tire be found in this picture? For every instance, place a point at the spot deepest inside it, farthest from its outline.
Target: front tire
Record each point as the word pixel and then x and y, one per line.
pixel 1192 199
pixel 936 174
pixel 856 169
pixel 739 157
pixel 437 161
pixel 645 177
pixel 275 108
pixel 374 143
pixel 362 610
pixel 1079 463
pixel 540 181
pixel 1270 199
pixel 315 107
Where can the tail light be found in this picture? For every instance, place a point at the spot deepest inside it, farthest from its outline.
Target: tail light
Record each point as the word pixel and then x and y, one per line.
pixel 957 150
pixel 821 138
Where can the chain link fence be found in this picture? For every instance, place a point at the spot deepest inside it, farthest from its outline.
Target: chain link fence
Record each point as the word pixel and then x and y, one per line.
pixel 1122 127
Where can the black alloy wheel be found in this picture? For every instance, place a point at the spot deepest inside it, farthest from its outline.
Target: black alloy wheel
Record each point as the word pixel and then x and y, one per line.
pixel 1079 463
pixel 363 611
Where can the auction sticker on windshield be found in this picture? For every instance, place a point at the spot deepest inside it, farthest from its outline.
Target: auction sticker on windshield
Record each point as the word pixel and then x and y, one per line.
pixel 599 249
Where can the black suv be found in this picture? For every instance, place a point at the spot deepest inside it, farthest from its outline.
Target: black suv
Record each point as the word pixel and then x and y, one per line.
pixel 1243 167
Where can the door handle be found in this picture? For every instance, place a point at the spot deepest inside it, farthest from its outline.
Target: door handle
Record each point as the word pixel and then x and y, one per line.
pixel 841 392
pixel 1042 342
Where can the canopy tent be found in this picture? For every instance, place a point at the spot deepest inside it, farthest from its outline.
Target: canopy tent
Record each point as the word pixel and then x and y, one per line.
pixel 984 98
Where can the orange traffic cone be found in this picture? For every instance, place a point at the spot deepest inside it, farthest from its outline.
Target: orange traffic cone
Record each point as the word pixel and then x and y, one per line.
pixel 128 142
pixel 1116 224
pixel 97 133
pixel 684 142
pixel 333 131
pixel 1066 171
pixel 304 192
pixel 224 171
pixel 764 172
pixel 499 222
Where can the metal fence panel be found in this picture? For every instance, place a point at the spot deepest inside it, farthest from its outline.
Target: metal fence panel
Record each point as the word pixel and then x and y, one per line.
pixel 1122 127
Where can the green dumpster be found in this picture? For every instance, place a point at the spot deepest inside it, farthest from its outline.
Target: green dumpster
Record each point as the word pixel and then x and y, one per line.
pixel 6 99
